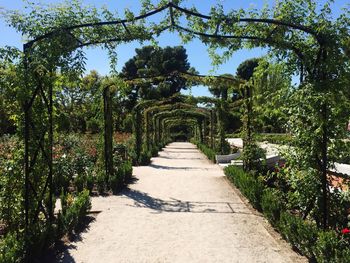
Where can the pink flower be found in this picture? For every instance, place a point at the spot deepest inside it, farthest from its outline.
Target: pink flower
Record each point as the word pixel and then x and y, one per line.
pixel 345 231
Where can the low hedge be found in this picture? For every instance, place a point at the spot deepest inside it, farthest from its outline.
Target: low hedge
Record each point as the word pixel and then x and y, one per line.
pixel 69 220
pixel 316 244
pixel 210 153
pixel 73 212
pixel 121 176
pixel 250 186
pixel 276 138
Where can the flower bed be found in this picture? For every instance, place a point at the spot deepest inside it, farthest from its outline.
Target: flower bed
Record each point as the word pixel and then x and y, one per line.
pixel 317 244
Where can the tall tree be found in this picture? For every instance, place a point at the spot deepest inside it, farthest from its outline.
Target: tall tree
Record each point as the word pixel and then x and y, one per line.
pixel 151 61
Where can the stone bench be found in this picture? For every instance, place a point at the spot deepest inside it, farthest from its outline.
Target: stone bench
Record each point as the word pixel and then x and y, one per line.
pixel 227 158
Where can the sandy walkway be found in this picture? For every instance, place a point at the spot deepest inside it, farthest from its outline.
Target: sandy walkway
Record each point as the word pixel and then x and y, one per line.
pixel 181 209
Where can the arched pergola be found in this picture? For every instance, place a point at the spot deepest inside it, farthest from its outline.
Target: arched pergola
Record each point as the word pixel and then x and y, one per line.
pixel 53 47
pixel 179 113
pixel 191 124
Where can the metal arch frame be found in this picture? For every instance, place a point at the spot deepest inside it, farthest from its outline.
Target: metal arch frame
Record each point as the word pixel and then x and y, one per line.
pixel 137 115
pixel 160 117
pixel 171 7
pixel 37 145
pixel 169 123
pixel 169 108
pixel 148 112
pixel 196 124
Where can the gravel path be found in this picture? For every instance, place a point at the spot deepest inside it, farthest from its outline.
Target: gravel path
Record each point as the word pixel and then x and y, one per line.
pixel 180 209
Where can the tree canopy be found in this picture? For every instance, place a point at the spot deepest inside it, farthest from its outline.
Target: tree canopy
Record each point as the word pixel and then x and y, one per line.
pixel 156 61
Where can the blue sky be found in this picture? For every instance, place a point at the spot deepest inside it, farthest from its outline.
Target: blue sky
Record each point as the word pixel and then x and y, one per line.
pixel 197 54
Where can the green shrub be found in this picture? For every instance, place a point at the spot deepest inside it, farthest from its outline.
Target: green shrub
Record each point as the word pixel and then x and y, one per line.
pixel 101 181
pixel 277 138
pixel 300 233
pixel 128 170
pixel 250 186
pixel 121 177
pixel 272 204
pixel 145 158
pixel 90 181
pixel 207 151
pixel 155 150
pixel 330 249
pixel 73 211
pixel 11 248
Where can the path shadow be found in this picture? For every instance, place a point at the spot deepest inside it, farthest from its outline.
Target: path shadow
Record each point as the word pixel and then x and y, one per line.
pixel 174 158
pixel 60 252
pixel 164 167
pixel 167 151
pixel 65 256
pixel 180 148
pixel 144 200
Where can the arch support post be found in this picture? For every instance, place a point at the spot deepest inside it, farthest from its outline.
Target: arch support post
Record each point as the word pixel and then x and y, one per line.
pixel 38 189
pixel 108 133
pixel 138 133
pixel 247 139
pixel 212 129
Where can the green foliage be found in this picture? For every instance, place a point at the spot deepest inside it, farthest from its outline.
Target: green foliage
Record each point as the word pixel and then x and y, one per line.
pixel 249 185
pixel 301 234
pixel 342 152
pixel 11 248
pixel 245 70
pixel 330 249
pixel 11 182
pixel 304 34
pixel 304 235
pixel 272 204
pixel 75 162
pixel 10 89
pixel 73 212
pixel 78 103
pixel 253 156
pixel 101 181
pixel 275 138
pixel 121 177
pixel 210 153
pixel 271 91
pixel 151 61
pixel 145 158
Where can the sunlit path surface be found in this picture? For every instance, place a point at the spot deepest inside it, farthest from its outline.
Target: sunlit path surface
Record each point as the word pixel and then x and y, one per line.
pixel 180 209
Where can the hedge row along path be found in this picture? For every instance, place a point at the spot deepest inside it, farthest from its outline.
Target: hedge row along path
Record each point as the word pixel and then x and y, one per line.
pixel 180 209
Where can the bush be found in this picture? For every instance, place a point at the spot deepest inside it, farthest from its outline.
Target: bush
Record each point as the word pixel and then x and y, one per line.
pixel 155 150
pixel 145 158
pixel 330 249
pixel 272 205
pixel 249 185
pixel 11 248
pixel 300 233
pixel 121 177
pixel 101 181
pixel 277 138
pixel 316 244
pixel 210 153
pixel 73 211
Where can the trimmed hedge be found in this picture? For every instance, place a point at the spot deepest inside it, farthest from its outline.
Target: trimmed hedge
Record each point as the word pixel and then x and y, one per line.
pixel 250 186
pixel 73 212
pixel 316 244
pixel 121 176
pixel 210 153
pixel 69 220
pixel 276 138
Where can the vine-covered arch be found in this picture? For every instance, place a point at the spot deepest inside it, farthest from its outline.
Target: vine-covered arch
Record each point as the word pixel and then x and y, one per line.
pixel 180 113
pixel 191 123
pixel 53 47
